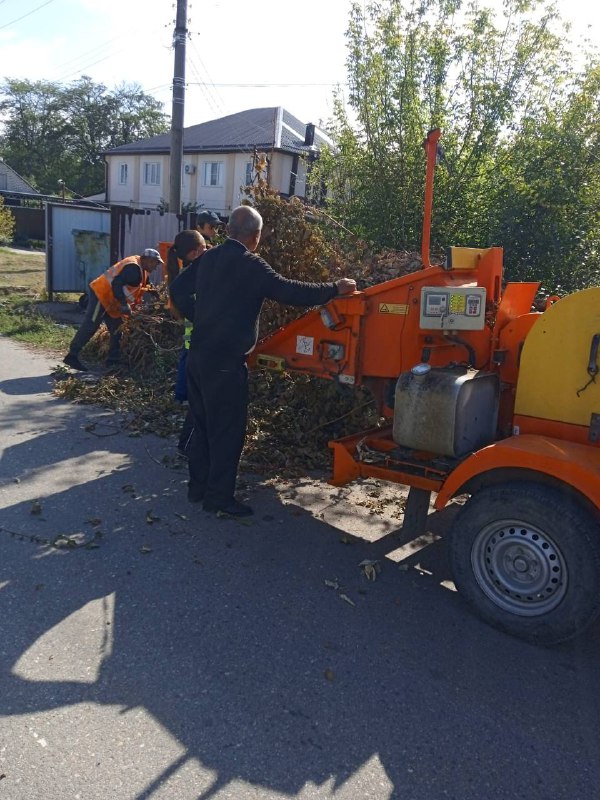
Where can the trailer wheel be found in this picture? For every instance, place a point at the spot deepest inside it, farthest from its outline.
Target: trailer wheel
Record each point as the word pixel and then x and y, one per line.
pixel 83 301
pixel 527 559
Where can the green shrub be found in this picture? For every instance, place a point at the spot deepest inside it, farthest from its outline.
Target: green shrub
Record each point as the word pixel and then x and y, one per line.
pixel 7 223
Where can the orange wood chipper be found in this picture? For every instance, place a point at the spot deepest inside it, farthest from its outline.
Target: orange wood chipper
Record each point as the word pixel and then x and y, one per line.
pixel 485 398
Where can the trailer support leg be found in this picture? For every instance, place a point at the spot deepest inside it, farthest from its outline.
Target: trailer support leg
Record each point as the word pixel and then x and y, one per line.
pixel 416 511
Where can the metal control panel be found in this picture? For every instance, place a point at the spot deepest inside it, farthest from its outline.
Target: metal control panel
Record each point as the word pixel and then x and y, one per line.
pixel 457 308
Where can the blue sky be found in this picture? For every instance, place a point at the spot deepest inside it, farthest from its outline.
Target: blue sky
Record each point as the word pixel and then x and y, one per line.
pixel 239 55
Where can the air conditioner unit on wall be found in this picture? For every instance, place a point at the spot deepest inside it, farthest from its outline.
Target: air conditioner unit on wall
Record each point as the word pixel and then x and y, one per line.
pixel 189 169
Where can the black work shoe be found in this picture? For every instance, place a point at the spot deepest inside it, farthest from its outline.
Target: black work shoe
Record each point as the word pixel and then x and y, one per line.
pixel 195 495
pixel 233 509
pixel 72 361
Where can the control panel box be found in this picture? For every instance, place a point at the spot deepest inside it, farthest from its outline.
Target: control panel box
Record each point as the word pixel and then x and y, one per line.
pixel 452 308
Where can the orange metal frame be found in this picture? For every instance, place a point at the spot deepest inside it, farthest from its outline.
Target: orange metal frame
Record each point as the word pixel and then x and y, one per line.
pixel 569 462
pixel 374 335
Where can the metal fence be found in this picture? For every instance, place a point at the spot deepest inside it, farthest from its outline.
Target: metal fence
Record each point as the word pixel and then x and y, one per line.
pixel 82 242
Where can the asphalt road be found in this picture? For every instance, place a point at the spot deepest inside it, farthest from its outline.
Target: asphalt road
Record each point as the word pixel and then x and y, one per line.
pixel 155 652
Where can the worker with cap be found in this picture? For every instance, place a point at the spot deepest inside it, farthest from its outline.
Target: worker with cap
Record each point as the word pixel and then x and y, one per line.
pixel 207 223
pixel 113 296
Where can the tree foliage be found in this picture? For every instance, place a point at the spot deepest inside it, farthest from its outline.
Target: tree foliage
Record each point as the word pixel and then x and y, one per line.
pixel 292 245
pixel 7 223
pixel 548 195
pixel 53 132
pixel 519 134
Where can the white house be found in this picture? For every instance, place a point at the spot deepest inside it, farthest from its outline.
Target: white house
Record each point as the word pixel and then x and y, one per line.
pixel 219 158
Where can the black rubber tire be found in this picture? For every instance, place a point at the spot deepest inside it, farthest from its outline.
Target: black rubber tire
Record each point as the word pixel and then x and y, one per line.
pixel 83 301
pixel 517 535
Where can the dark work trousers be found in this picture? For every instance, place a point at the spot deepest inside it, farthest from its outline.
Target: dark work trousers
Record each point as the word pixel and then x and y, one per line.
pixel 185 436
pixel 180 379
pixel 181 395
pixel 95 315
pixel 218 398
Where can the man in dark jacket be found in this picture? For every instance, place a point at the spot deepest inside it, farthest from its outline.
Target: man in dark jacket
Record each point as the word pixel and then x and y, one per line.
pixel 222 294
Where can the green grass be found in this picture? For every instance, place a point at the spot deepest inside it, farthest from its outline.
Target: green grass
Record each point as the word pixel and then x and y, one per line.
pixel 22 270
pixel 20 319
pixel 22 288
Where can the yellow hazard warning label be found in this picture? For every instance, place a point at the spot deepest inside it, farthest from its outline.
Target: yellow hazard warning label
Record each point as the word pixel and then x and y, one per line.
pixel 393 308
pixel 458 303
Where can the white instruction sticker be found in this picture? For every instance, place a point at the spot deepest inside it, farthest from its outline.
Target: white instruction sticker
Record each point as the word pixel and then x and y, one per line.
pixel 305 345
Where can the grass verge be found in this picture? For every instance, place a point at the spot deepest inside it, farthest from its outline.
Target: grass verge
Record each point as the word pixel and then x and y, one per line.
pixel 21 320
pixel 22 289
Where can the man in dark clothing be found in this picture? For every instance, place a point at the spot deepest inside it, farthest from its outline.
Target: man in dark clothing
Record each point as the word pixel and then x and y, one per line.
pixel 113 296
pixel 208 224
pixel 222 294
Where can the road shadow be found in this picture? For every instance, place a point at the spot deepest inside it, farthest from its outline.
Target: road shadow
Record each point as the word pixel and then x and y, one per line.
pixel 268 654
pixel 29 385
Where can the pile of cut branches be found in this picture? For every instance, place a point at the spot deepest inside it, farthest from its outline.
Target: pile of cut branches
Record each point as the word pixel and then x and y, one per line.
pixel 291 417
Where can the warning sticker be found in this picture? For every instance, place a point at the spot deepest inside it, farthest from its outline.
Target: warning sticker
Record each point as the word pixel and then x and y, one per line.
pixel 393 308
pixel 458 303
pixel 305 345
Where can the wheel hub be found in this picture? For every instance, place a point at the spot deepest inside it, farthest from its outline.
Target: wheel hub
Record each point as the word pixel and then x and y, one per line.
pixel 519 567
pixel 521 564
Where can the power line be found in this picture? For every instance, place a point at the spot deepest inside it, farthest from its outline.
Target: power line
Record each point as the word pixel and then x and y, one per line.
pixel 82 69
pixel 12 22
pixel 73 65
pixel 272 85
pixel 216 102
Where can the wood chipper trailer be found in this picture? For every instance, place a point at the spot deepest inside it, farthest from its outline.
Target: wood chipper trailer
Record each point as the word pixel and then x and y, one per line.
pixel 486 398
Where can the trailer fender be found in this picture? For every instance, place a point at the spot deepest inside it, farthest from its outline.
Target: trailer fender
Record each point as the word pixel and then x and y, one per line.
pixel 575 465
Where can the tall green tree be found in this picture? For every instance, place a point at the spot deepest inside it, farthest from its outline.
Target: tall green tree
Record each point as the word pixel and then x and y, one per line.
pixel 34 126
pixel 491 82
pixel 51 131
pixel 547 200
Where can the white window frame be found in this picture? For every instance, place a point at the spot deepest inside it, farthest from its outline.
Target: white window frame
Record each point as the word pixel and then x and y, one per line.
pixel 151 173
pixel 249 171
pixel 212 174
pixel 123 174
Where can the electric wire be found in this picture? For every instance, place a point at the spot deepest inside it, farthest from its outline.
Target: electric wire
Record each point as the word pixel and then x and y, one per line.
pixel 218 101
pixel 29 13
pixel 272 85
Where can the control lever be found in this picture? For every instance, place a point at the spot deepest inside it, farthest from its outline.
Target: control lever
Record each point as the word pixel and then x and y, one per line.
pixel 592 368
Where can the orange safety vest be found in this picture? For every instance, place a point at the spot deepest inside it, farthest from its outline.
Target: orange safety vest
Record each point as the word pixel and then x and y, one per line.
pixel 102 287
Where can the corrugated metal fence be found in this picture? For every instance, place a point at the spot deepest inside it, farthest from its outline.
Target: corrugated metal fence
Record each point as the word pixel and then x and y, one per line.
pixel 81 242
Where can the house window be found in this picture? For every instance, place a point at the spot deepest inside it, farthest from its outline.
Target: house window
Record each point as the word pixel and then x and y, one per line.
pixel 122 173
pixel 248 173
pixel 212 174
pixel 152 173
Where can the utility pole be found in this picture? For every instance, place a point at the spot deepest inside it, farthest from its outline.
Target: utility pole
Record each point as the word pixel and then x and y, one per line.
pixel 179 40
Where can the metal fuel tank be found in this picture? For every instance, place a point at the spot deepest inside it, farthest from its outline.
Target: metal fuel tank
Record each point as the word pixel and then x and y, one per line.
pixel 448 411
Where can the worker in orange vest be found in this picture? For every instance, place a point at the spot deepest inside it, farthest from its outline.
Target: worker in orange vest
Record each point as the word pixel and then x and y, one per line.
pixel 113 296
